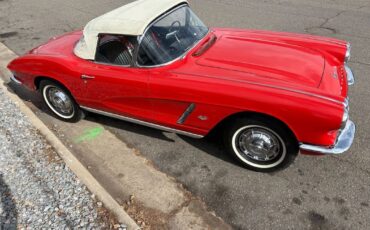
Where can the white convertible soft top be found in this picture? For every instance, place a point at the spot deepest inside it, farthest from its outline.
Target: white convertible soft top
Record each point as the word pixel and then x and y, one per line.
pixel 131 19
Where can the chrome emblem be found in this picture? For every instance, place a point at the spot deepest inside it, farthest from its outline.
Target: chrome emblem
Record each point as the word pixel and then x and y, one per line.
pixel 203 118
pixel 335 74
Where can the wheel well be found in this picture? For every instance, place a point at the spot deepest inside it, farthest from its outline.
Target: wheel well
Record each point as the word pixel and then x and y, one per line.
pixel 41 78
pixel 223 124
pixel 38 81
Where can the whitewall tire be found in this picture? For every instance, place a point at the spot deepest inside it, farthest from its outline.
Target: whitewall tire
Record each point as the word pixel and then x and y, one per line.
pixel 260 145
pixel 60 101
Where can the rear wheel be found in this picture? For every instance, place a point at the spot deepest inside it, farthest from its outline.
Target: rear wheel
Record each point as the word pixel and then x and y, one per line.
pixel 60 101
pixel 261 144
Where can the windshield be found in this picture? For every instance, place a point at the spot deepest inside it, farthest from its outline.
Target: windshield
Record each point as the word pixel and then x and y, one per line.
pixel 170 37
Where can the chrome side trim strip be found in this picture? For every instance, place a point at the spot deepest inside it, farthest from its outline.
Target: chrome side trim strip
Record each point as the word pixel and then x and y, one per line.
pixel 343 143
pixel 144 123
pixel 186 114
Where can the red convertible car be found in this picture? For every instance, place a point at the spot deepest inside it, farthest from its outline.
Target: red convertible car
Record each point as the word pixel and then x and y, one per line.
pixel 154 62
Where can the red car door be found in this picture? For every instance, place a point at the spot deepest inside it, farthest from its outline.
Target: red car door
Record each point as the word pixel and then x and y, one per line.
pixel 117 89
pixel 177 102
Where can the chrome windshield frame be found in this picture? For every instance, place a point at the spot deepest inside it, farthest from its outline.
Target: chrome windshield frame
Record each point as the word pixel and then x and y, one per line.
pixel 140 38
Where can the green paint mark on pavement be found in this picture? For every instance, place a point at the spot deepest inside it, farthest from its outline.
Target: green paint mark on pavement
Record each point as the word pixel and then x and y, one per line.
pixel 89 134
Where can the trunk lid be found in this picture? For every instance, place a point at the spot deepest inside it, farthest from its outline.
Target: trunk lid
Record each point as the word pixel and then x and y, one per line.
pixel 57 46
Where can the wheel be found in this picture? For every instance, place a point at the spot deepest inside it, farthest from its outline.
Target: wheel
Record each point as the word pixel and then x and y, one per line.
pixel 60 101
pixel 261 144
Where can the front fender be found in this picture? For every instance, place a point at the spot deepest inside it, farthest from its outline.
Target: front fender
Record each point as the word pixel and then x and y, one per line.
pixel 312 119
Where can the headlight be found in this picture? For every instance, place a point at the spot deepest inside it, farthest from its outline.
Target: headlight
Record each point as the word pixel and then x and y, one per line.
pixel 348 53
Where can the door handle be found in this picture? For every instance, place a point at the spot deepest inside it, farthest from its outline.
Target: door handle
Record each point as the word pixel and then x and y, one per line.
pixel 87 77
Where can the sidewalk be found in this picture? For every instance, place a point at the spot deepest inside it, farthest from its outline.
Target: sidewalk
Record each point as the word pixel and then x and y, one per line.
pixel 37 190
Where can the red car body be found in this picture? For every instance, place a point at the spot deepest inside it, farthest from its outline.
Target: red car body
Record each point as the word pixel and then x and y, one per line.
pixel 299 80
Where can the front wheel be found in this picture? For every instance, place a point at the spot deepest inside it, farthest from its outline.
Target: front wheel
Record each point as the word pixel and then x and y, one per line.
pixel 60 101
pixel 260 144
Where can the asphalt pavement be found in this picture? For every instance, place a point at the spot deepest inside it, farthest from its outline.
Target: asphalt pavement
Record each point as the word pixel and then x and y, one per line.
pixel 315 192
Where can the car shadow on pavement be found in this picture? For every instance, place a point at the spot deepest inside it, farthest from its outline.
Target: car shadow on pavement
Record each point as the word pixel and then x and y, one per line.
pixel 211 144
pixel 25 94
pixel 8 209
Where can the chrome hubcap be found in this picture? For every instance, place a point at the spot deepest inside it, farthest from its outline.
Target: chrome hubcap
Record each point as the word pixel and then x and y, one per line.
pixel 60 101
pixel 259 144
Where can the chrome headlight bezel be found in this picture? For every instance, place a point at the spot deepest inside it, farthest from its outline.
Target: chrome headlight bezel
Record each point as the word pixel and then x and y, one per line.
pixel 348 53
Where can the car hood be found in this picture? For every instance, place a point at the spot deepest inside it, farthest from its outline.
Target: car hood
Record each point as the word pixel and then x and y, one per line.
pixel 266 58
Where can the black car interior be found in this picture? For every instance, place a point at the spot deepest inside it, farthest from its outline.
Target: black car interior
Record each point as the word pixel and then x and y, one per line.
pixel 115 49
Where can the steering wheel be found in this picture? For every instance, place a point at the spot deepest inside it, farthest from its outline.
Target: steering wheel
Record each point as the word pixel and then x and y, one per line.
pixel 173 26
pixel 172 31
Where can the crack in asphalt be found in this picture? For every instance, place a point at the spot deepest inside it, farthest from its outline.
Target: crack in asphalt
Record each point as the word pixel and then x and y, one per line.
pixel 326 21
pixel 363 6
pixel 334 30
pixel 322 25
pixel 8 34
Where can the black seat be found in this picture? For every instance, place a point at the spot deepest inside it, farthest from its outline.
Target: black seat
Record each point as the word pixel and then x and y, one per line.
pixel 114 52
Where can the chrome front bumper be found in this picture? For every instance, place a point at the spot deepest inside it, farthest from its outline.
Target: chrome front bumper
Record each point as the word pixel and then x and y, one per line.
pixel 343 143
pixel 350 76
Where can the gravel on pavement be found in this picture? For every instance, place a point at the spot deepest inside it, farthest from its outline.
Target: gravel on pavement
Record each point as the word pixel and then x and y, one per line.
pixel 37 190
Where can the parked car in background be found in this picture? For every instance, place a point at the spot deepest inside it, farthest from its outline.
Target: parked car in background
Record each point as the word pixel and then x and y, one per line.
pixel 155 63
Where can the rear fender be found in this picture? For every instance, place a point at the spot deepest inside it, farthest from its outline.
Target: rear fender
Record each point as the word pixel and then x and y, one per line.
pixel 29 68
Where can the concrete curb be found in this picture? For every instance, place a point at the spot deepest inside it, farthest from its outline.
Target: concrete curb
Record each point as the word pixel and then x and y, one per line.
pixel 73 163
